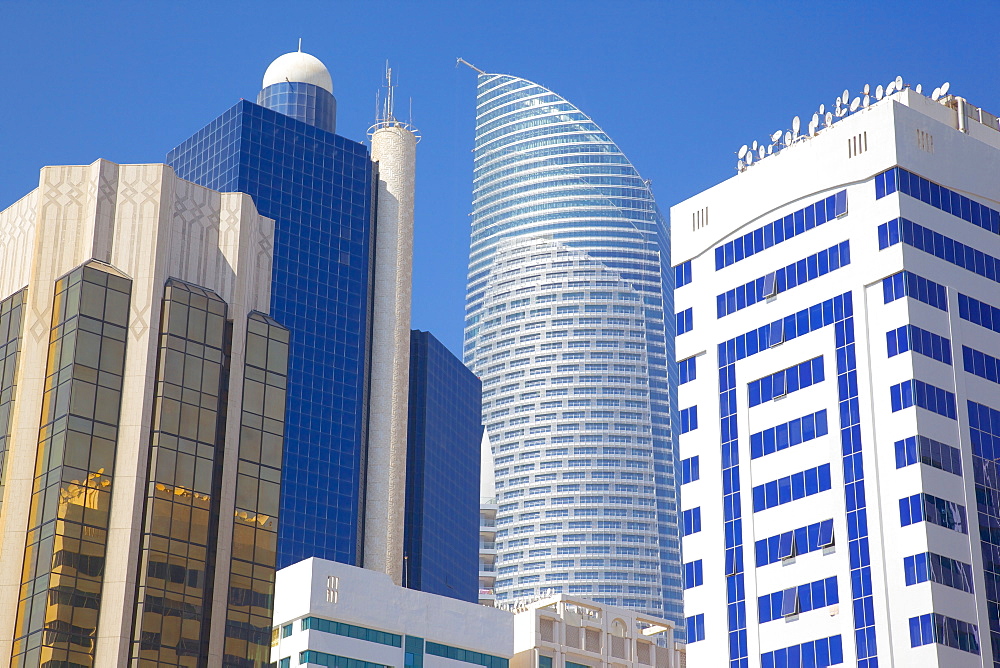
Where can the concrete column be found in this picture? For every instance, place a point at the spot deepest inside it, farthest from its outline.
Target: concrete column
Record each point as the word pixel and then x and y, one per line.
pixel 394 148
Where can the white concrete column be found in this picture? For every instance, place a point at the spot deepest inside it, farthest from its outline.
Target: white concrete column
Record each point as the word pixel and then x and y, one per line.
pixel 394 148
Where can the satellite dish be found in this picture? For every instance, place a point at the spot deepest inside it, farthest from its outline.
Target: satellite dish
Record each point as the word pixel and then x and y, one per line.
pixel 920 89
pixel 945 87
pixel 760 152
pixel 770 149
pixel 829 119
pixel 822 110
pixel 796 124
pixel 855 103
pixel 749 158
pixel 878 92
pixel 868 89
pixel 846 96
pixel 813 124
pixel 776 135
pixel 936 94
pixel 890 89
pixel 754 146
pixel 743 151
pixel 866 101
pixel 788 138
pixel 899 83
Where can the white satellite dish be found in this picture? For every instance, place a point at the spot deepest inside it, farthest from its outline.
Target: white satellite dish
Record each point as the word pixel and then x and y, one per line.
pixel 754 146
pixel 760 152
pixel 868 89
pixel 822 110
pixel 788 138
pixel 899 83
pixel 846 96
pixel 945 87
pixel 936 94
pixel 776 135
pixel 866 101
pixel 855 103
pixel 770 149
pixel 743 151
pixel 920 89
pixel 878 92
pixel 749 158
pixel 813 124
pixel 890 89
pixel 796 124
pixel 829 119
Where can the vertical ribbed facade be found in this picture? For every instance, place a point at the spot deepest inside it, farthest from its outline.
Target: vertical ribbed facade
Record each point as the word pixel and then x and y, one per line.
pixel 567 291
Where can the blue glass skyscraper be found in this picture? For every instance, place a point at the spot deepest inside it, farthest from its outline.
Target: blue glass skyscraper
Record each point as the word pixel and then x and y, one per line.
pixel 317 186
pixel 441 549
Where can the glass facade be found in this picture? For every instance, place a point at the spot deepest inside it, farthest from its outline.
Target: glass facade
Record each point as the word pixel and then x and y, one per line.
pixel 441 549
pixel 318 188
pixel 11 317
pixel 67 523
pixel 258 498
pixel 181 515
pixel 569 283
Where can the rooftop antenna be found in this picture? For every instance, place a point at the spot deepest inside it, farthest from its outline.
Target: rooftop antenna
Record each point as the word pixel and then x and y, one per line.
pixel 385 114
pixel 300 45
pixel 463 61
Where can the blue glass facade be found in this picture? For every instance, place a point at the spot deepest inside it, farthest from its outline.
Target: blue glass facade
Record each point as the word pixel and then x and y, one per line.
pixel 317 186
pixel 441 537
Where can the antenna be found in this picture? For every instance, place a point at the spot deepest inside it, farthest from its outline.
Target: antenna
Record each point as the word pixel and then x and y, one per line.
pixel 300 45
pixel 463 61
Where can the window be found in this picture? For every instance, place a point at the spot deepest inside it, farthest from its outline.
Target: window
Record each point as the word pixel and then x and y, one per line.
pixel 689 419
pixel 685 321
pixel 817 653
pixel 695 627
pixel 693 575
pixel 690 470
pixel 979 313
pixel 980 364
pixel 286 630
pixel 928 566
pixel 692 521
pixel 682 274
pixel 285 663
pixel 793 432
pixel 908 284
pixel 795 600
pixel 793 543
pixel 687 370
pixel 791 488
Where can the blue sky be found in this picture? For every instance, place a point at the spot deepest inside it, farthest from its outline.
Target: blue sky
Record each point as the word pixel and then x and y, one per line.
pixel 679 86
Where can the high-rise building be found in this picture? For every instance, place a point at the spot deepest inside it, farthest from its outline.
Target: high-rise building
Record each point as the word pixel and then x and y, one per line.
pixel 567 289
pixel 317 186
pixel 142 404
pixel 441 554
pixel 837 320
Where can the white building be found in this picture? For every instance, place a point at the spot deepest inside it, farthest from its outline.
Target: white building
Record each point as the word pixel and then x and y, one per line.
pixel 837 316
pixel 332 614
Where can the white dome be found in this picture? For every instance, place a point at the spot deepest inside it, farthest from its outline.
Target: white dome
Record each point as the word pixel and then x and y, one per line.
pixel 301 68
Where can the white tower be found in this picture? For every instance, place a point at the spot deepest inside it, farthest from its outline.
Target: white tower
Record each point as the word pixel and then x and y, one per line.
pixel 394 150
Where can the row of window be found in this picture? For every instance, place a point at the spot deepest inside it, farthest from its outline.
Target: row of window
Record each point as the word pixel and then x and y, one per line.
pixel 928 566
pixel 813 654
pixel 792 543
pixel 928 508
pixel 782 229
pixel 907 284
pixel 687 371
pixel 786 278
pixel 793 432
pixel 693 574
pixel 689 419
pixel 940 246
pixel 685 321
pixel 682 274
pixel 690 470
pixel 786 381
pixel 691 521
pixel 980 364
pixel 911 337
pixel 795 600
pixel 939 197
pixel 924 395
pixel 791 488
pixel 934 628
pixel 979 313
pixel 914 449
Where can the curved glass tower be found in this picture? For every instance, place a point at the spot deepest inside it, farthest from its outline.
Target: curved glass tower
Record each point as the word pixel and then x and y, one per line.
pixel 568 287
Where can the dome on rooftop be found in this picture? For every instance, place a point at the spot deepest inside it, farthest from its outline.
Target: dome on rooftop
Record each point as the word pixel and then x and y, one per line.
pixel 301 68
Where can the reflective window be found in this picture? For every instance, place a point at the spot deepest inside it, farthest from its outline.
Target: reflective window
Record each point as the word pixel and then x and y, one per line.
pixel 935 628
pixel 795 600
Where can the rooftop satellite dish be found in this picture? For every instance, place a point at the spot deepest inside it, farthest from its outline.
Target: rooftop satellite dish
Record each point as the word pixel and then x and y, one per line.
pixel 899 83
pixel 890 89
pixel 788 138
pixel 878 92
pixel 855 103
pixel 920 89
pixel 776 135
pixel 770 149
pixel 749 158
pixel 743 151
pixel 829 119
pixel 822 110
pixel 813 124
pixel 936 94
pixel 796 124
pixel 846 96
pixel 868 89
pixel 754 146
pixel 760 152
pixel 866 101
pixel 945 87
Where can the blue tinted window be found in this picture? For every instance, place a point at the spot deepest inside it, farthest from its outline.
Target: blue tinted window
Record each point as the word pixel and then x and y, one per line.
pixel 925 450
pixel 689 419
pixel 924 507
pixel 685 321
pixel 695 627
pixel 943 247
pixel 908 284
pixel 687 370
pixel 682 274
pixel 794 600
pixel 927 396
pixel 792 543
pixel 693 575
pixel 939 197
pixel 791 488
pixel 911 337
pixel 981 364
pixel 786 381
pixel 689 470
pixel 813 654
pixel 692 521
pixel 934 628
pixel 928 566
pixel 793 432
pixel 980 313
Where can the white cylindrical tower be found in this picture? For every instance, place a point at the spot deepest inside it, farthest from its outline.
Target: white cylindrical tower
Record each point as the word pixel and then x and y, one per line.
pixel 394 149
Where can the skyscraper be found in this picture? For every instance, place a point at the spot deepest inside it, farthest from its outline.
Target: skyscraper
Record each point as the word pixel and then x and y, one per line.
pixel 567 291
pixel 442 508
pixel 142 416
pixel 317 186
pixel 836 314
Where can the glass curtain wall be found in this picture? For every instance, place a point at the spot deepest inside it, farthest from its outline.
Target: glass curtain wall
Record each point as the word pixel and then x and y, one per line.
pixel 568 289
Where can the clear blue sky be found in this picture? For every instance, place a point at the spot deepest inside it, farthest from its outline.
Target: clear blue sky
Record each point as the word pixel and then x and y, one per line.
pixel 679 86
